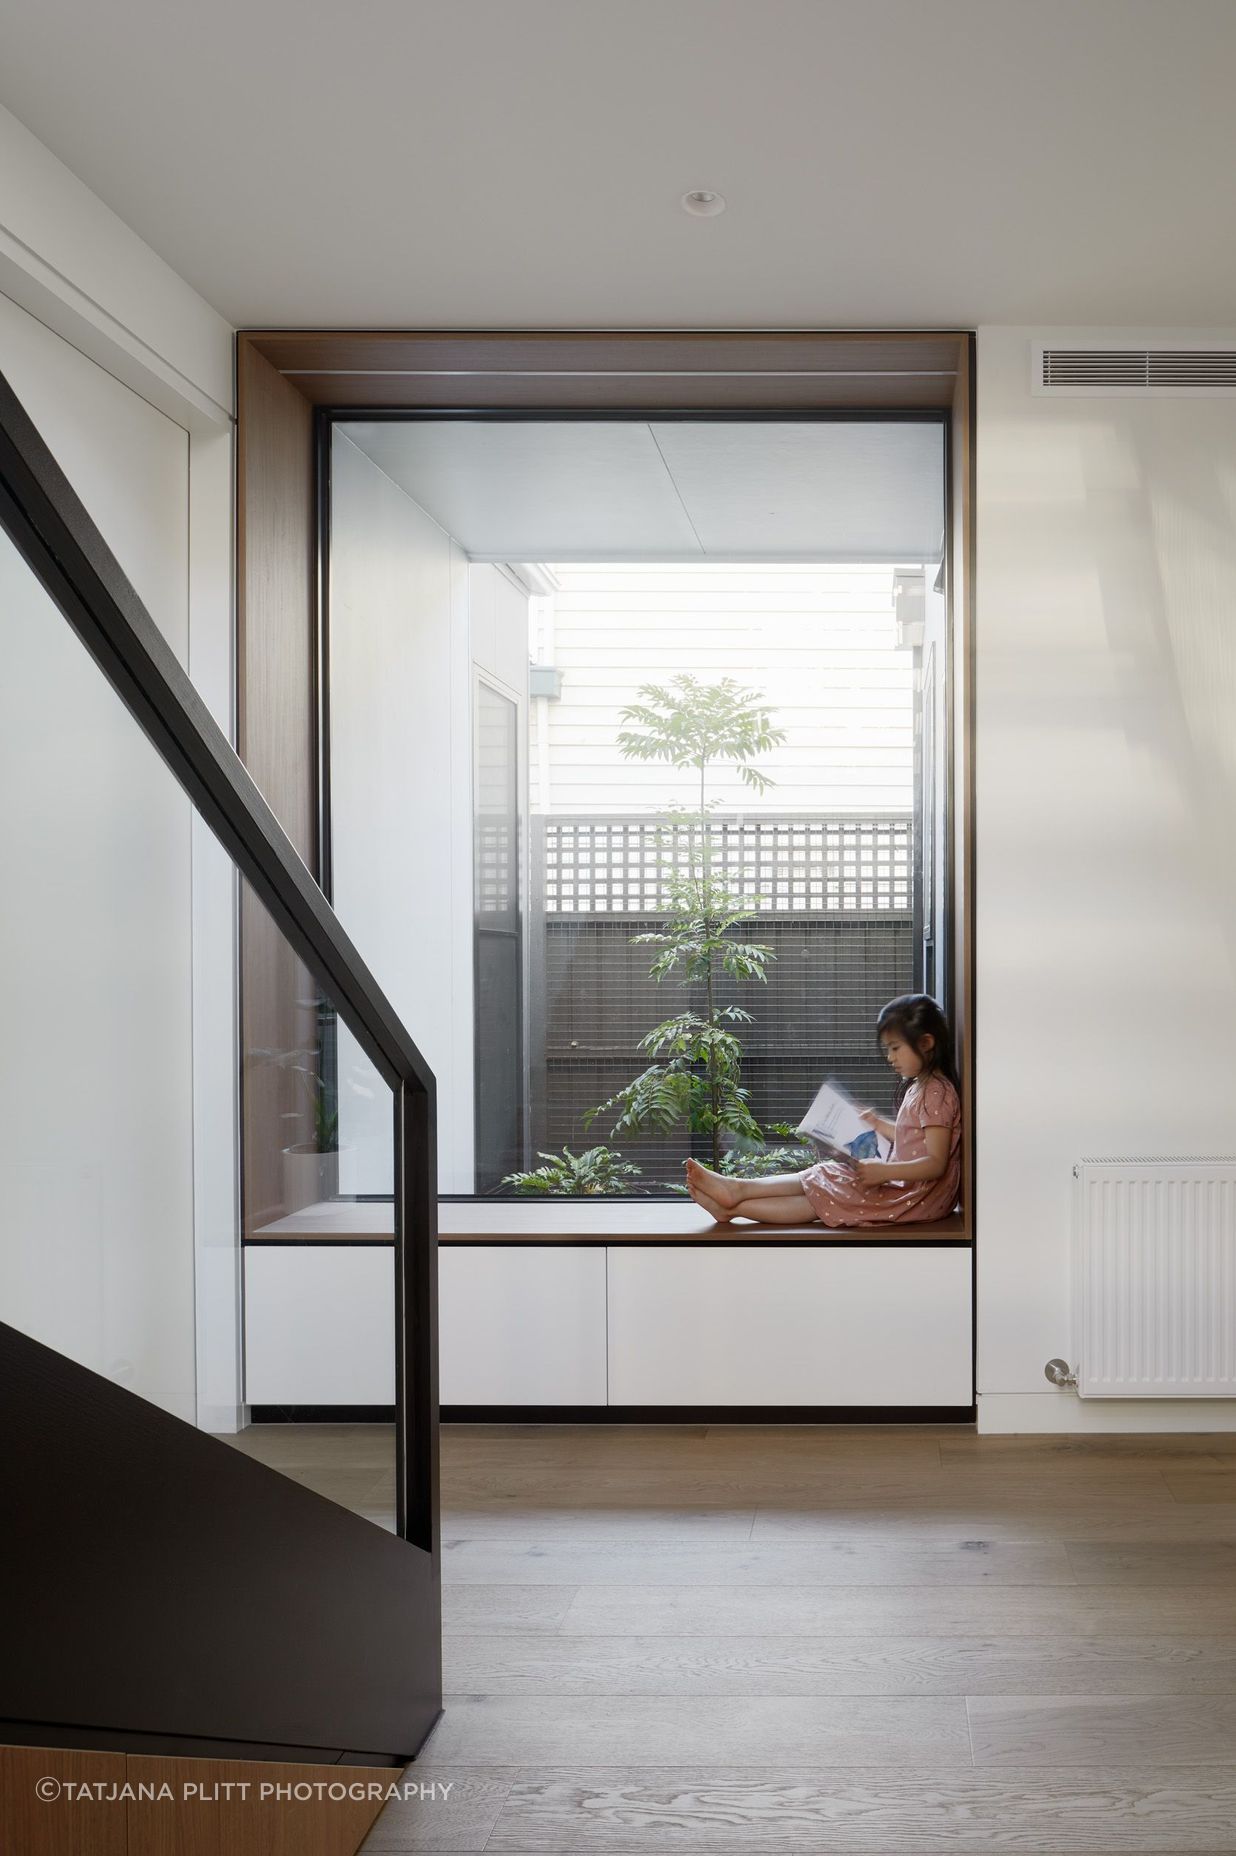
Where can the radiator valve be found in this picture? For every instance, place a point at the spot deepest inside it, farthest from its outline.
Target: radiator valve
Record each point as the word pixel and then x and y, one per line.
pixel 1058 1373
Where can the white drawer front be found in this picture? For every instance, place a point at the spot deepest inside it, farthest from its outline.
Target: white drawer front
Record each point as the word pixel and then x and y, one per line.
pixel 319 1324
pixel 752 1326
pixel 522 1324
pixel 542 1325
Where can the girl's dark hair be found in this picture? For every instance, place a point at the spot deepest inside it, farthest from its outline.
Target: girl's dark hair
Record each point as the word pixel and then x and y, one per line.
pixel 915 1015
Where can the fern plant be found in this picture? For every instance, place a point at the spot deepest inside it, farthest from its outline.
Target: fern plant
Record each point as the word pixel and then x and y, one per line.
pixel 696 1073
pixel 791 1157
pixel 596 1172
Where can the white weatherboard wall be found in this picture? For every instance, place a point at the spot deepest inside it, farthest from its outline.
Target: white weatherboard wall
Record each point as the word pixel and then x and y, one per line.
pixel 401 799
pixel 819 643
pixel 1106 788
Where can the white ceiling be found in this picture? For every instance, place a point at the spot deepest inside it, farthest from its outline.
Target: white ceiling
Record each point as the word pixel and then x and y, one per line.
pixel 621 490
pixel 518 163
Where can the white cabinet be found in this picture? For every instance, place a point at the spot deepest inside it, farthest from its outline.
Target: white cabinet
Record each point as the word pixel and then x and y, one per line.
pixel 319 1324
pixel 766 1325
pixel 521 1324
pixel 640 1324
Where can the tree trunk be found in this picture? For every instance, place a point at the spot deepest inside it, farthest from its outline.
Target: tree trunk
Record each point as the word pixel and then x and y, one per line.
pixel 710 1013
pixel 714 1093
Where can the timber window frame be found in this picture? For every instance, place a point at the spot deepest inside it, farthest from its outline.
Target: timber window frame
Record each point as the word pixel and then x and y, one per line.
pixel 293 384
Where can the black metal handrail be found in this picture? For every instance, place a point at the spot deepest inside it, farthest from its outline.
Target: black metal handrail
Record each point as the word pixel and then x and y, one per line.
pixel 63 548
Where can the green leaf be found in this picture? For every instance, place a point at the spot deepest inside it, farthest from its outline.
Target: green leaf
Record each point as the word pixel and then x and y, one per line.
pixel 691 724
pixel 597 1171
pixel 696 1073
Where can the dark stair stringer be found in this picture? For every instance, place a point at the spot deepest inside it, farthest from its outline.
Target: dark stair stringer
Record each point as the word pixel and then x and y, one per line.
pixel 159 1582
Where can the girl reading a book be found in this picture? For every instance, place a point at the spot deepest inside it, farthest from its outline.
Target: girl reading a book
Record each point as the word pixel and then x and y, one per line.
pixel 921 1178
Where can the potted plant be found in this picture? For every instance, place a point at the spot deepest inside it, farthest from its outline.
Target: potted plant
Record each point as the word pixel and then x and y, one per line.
pixel 311 1166
pixel 310 1163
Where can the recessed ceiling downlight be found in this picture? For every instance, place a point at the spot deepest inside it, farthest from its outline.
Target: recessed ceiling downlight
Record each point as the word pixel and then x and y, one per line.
pixel 703 203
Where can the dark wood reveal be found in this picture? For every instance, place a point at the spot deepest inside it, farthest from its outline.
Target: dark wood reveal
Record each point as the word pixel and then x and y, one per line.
pixel 277 738
pixel 778 371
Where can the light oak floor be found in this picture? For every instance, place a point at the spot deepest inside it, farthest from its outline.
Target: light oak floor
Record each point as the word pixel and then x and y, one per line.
pixel 849 1642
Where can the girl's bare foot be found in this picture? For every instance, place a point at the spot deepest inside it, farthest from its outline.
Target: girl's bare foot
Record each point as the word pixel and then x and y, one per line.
pixel 721 1213
pixel 720 1190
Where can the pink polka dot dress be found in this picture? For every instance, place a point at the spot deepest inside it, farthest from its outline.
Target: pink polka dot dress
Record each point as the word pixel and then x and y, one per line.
pixel 839 1199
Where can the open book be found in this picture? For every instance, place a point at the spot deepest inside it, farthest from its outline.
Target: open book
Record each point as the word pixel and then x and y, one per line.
pixel 835 1125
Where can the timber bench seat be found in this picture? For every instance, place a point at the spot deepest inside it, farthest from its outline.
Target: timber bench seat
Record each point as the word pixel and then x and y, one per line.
pixel 582 1221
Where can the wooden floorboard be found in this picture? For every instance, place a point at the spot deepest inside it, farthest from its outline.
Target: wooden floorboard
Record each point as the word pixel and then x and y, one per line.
pixel 861 1611
pixel 799 1487
pixel 553 1664
pixel 1202 1480
pixel 745 1563
pixel 543 1526
pixel 1098 1730
pixel 721 1731
pixel 461 1818
pixel 855 1642
pixel 1082 1521
pixel 505 1607
pixel 1176 1562
pixel 833 1811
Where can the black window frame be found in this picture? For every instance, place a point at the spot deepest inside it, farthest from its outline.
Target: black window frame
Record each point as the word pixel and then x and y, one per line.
pixel 327 416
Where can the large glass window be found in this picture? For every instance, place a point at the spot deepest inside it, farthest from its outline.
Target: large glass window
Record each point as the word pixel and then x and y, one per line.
pixel 636 793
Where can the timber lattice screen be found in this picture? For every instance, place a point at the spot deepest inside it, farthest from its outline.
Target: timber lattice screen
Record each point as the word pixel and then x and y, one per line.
pixel 618 866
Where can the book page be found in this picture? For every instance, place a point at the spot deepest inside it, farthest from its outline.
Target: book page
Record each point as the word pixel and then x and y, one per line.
pixel 833 1122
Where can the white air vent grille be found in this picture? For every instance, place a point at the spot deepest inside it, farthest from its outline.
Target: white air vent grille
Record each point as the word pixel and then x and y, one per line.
pixel 1178 373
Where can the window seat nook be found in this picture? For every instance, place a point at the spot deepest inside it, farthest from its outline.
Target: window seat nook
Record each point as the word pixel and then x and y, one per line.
pixel 606 1308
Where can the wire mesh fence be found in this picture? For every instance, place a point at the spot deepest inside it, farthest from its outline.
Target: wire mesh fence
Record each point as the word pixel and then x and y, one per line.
pixel 834 903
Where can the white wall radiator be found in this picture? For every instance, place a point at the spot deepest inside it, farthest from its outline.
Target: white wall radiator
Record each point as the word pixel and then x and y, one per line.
pixel 1154 1278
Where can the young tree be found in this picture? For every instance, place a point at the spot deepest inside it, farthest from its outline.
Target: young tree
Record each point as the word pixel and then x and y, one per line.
pixel 696 1073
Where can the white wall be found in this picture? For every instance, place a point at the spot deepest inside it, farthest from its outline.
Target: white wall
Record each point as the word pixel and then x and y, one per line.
pixel 216 1057
pixel 117 1075
pixel 71 262
pixel 933 672
pixel 96 1103
pixel 401 683
pixel 498 621
pixel 1106 790
pixel 412 626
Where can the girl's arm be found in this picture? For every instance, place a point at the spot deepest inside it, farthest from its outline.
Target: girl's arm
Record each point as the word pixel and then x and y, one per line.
pixel 935 1166
pixel 880 1123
